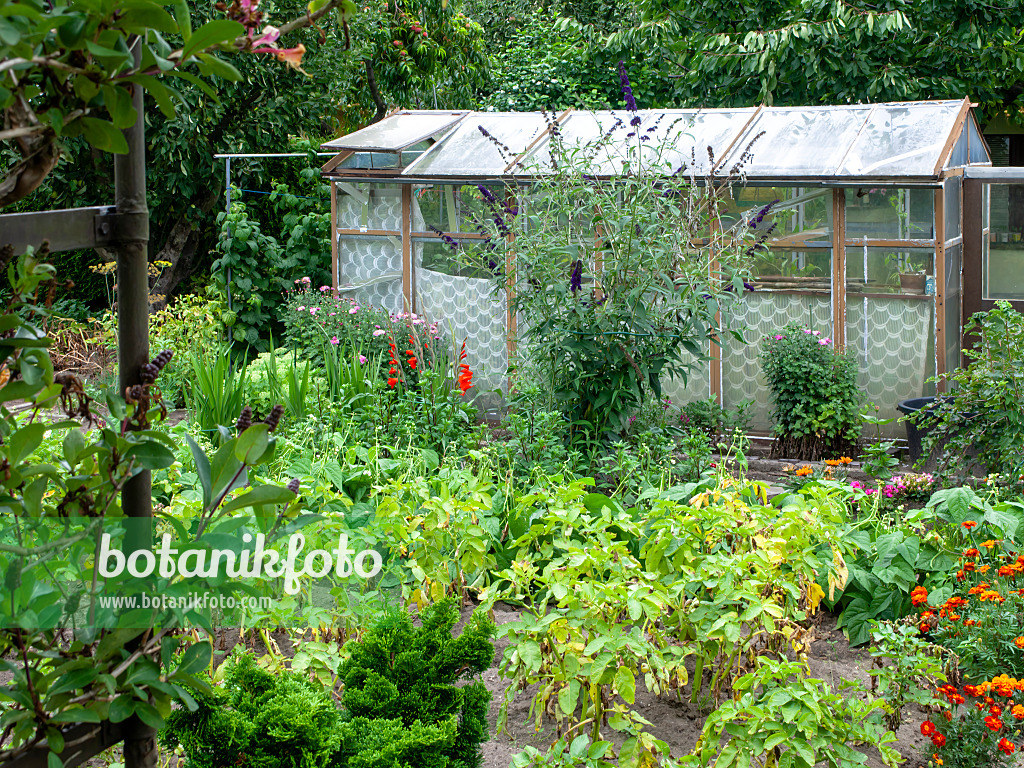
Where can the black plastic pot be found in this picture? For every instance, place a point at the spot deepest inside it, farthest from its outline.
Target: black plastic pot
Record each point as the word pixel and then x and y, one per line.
pixel 915 432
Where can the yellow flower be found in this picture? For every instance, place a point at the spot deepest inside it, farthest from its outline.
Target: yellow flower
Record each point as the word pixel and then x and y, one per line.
pixel 804 470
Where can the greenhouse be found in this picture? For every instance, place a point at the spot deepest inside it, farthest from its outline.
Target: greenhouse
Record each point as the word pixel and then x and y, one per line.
pixel 868 245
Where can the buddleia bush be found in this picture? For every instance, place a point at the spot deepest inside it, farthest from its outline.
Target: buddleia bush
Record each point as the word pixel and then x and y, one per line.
pixel 405 704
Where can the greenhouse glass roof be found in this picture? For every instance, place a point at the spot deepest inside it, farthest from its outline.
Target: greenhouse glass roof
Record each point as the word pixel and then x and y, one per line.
pixel 838 145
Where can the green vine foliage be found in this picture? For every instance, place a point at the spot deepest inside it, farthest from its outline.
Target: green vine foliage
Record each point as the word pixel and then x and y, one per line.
pixel 814 393
pixel 264 265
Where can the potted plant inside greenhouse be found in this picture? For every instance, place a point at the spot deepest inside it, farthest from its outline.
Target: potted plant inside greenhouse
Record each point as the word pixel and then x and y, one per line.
pixel 907 272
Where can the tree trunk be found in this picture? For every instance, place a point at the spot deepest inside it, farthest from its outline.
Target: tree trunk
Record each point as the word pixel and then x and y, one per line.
pixel 378 101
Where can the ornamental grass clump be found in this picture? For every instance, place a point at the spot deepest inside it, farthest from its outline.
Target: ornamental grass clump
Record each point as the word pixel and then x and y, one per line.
pixel 814 394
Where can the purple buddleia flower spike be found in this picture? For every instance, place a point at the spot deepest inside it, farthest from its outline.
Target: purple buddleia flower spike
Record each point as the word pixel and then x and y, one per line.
pixel 627 94
pixel 576 276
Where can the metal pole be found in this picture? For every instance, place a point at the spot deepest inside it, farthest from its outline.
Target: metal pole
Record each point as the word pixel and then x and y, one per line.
pixel 132 237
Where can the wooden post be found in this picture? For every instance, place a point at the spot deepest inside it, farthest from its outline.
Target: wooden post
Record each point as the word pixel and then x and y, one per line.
pixel 972 255
pixel 407 269
pixel 940 288
pixel 132 236
pixel 334 237
pixel 839 268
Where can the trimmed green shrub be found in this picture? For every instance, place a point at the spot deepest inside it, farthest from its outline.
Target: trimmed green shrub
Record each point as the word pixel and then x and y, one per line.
pixel 258 720
pixel 406 704
pixel 412 674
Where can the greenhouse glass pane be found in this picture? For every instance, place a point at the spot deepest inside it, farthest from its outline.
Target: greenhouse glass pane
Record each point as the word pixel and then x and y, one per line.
pixel 684 136
pixel 951 198
pixel 889 214
pixel 890 338
pixel 902 140
pixel 978 150
pixel 800 217
pixel 398 131
pixel 959 157
pixel 596 141
pixel 900 271
pixel 467 151
pixel 952 300
pixel 806 141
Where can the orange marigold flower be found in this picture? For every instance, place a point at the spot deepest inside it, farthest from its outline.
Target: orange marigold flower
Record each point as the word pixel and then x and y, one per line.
pixel 1019 642
pixel 993 723
pixel 804 470
pixel 960 575
pixel 923 627
pixel 954 617
pixel 972 552
pixel 845 460
pixel 939 740
pixel 983 568
pixel 1017 712
pixel 1005 745
pixel 832 462
pixel 977 590
pixel 1006 570
pixel 988 544
pixel 968 524
pixel 969 566
pixel 918 596
pixel 956 698
pixel 928 728
pixel 995 710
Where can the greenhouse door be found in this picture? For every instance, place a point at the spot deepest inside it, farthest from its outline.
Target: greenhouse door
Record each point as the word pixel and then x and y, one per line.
pixel 993 229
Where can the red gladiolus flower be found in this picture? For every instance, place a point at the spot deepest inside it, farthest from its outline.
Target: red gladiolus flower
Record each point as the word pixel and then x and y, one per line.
pixel 928 728
pixel 465 375
pixel 939 740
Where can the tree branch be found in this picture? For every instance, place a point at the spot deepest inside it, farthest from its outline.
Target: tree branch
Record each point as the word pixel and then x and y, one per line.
pixel 378 101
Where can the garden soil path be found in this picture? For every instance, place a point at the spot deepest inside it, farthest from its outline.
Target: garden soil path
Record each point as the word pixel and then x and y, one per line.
pixel 680 724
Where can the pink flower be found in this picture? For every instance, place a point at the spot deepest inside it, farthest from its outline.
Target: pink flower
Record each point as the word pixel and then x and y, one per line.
pixel 306 280
pixel 353 310
pixel 807 330
pixel 779 336
pixel 379 332
pixel 300 308
pixel 334 340
pixel 362 359
pixel 816 333
pixel 856 484
pixel 824 342
pixel 313 310
pixel 324 288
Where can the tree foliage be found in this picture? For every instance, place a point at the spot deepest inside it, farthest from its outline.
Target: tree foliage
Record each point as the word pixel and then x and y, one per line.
pixel 739 52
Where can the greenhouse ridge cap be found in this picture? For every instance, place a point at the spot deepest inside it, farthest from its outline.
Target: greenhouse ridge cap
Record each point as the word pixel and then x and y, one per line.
pixel 839 144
